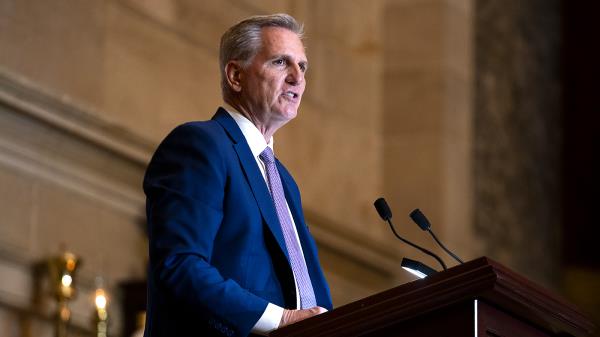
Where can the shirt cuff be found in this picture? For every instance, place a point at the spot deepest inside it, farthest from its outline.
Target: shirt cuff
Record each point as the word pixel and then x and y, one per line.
pixel 269 320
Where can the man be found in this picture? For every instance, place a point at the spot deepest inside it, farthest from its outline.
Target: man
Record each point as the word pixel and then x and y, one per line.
pixel 230 253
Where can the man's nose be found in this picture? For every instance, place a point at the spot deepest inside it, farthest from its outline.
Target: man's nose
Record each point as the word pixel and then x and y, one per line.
pixel 295 75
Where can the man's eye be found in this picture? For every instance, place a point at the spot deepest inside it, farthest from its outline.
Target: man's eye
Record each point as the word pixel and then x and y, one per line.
pixel 279 62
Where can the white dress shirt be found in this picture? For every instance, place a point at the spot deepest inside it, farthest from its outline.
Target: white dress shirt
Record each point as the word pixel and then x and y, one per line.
pixel 270 319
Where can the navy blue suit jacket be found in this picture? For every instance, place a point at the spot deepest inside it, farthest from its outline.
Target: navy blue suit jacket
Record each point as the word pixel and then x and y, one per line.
pixel 217 253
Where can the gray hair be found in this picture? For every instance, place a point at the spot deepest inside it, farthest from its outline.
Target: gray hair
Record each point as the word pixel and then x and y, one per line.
pixel 243 41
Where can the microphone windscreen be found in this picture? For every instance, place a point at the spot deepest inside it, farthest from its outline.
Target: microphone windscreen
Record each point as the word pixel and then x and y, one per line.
pixel 419 218
pixel 383 209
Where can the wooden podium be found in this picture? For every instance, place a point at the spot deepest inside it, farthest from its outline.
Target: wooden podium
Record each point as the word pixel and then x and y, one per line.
pixel 479 298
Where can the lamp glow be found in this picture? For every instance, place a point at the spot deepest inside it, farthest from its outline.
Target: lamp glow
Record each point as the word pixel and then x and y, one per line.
pixel 66 280
pixel 415 272
pixel 417 268
pixel 62 270
pixel 100 299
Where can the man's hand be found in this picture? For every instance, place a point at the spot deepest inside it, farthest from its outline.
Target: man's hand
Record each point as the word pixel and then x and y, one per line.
pixel 293 316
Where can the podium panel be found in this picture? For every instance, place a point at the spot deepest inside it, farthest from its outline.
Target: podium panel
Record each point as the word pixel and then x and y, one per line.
pixel 479 298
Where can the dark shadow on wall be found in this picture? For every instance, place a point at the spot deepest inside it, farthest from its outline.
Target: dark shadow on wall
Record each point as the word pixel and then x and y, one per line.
pixel 581 159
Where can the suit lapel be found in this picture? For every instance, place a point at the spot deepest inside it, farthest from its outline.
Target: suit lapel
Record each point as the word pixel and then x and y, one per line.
pixel 253 176
pixel 265 204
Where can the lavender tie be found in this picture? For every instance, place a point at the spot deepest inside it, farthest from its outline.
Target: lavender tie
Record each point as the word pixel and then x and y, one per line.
pixel 307 295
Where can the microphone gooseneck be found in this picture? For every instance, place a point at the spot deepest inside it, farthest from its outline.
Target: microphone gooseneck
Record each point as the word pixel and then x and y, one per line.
pixel 421 220
pixel 386 214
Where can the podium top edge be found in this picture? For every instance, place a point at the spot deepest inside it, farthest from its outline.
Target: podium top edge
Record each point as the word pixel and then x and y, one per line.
pixel 479 279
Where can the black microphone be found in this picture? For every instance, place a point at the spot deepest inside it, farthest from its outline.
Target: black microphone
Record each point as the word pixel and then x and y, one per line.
pixel 420 219
pixel 386 214
pixel 383 209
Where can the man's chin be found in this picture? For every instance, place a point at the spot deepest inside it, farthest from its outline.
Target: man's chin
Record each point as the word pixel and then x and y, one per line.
pixel 290 115
pixel 287 114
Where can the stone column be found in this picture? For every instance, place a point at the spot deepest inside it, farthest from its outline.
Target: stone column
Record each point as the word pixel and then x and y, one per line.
pixel 518 134
pixel 427 117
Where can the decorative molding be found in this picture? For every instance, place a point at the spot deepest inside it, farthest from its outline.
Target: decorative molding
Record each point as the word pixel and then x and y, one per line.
pixel 79 131
pixel 32 105
pixel 64 113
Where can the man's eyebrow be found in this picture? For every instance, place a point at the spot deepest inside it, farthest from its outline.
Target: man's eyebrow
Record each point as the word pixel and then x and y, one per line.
pixel 288 57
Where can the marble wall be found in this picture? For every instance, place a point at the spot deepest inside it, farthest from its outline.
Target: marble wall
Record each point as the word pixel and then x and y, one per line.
pixel 88 90
pixel 67 180
pixel 444 105
pixel 517 139
pixel 427 112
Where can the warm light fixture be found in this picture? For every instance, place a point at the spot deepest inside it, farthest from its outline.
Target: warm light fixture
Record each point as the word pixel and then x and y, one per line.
pixel 62 270
pixel 101 301
pixel 417 268
pixel 66 280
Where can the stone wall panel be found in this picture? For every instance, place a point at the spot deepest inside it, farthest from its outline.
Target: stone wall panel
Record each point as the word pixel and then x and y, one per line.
pixel 518 134
pixel 156 79
pixel 19 214
pixel 58 44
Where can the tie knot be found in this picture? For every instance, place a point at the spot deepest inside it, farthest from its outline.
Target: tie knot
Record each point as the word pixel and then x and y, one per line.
pixel 267 155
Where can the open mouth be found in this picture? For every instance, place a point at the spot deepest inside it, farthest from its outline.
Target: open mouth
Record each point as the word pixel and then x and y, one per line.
pixel 290 94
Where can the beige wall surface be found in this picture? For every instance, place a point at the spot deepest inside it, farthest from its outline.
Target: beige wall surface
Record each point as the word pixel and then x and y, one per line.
pixel 88 89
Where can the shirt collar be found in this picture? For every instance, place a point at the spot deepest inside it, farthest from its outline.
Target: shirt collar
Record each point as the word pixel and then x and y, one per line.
pixel 253 136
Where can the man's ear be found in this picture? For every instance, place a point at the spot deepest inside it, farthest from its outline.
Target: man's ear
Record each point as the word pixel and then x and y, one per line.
pixel 233 71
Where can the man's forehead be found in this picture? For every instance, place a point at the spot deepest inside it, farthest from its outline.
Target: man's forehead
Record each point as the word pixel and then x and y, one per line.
pixel 280 35
pixel 280 40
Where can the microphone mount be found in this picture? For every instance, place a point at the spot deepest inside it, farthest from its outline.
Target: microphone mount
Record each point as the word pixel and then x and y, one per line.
pixel 384 211
pixel 421 220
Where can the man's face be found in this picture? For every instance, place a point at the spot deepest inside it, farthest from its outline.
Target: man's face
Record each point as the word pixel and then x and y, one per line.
pixel 273 83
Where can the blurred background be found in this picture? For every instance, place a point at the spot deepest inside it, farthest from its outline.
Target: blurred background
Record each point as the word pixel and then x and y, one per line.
pixel 482 113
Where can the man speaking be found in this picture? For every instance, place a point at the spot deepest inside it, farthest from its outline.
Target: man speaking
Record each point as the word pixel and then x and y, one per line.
pixel 230 253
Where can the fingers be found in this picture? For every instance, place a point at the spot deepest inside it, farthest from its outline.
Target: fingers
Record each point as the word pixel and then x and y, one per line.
pixel 318 310
pixel 293 316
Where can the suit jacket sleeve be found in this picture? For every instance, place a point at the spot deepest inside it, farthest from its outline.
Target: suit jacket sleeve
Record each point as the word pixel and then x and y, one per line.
pixel 184 185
